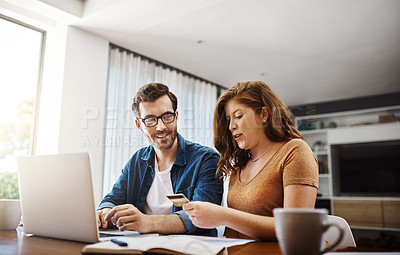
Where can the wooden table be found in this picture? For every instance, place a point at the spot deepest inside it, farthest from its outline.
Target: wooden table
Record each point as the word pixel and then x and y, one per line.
pixel 14 242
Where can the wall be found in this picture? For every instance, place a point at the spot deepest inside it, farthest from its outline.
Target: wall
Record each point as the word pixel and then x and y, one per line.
pixel 50 92
pixel 83 99
pixel 74 80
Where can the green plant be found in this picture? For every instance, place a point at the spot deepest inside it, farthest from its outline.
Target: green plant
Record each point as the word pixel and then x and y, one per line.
pixel 14 140
pixel 9 185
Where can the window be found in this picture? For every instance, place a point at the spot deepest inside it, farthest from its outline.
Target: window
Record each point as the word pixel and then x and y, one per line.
pixel 20 62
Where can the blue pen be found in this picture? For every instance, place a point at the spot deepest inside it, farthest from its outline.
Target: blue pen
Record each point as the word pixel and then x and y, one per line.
pixel 120 243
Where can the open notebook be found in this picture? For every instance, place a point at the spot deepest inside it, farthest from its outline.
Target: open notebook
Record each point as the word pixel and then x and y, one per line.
pixel 171 244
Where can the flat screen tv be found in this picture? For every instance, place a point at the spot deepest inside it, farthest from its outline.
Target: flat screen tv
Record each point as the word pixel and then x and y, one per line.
pixel 366 169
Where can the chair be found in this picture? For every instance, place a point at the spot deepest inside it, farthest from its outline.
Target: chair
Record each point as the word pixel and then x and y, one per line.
pixel 332 232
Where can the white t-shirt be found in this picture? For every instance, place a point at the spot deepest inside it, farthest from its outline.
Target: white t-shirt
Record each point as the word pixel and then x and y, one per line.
pixel 157 202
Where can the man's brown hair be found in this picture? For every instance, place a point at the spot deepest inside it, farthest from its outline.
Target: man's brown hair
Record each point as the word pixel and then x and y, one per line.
pixel 150 93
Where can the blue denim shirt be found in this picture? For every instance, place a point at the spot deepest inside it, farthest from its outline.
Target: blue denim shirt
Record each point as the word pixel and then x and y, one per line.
pixel 193 174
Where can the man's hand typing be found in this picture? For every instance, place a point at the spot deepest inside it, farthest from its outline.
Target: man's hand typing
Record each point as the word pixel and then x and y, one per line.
pixel 128 217
pixel 100 215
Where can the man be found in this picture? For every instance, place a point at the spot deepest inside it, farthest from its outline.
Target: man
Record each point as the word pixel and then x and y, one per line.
pixel 169 165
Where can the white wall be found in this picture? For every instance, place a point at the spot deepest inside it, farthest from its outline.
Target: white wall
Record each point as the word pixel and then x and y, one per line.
pixel 83 100
pixel 50 92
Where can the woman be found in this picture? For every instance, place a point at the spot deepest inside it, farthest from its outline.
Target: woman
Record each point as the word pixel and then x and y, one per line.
pixel 268 163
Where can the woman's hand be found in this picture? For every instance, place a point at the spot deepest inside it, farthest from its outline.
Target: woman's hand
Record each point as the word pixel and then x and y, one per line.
pixel 204 214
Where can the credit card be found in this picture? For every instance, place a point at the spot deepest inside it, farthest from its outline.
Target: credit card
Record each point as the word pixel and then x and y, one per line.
pixel 178 199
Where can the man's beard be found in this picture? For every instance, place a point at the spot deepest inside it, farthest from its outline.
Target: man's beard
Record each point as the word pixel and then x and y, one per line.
pixel 164 144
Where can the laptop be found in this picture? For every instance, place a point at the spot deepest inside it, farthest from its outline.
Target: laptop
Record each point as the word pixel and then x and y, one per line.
pixel 57 197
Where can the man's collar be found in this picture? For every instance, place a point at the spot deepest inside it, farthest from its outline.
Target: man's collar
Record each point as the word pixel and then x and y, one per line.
pixel 181 154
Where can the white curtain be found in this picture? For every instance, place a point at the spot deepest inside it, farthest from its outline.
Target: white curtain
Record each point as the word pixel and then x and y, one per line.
pixel 127 73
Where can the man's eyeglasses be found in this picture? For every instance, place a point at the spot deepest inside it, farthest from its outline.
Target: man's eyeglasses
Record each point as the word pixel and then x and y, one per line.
pixel 167 118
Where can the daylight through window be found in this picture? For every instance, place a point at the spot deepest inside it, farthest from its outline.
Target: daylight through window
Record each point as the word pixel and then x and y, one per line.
pixel 20 51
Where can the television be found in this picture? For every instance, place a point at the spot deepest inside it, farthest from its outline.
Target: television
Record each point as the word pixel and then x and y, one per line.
pixel 369 169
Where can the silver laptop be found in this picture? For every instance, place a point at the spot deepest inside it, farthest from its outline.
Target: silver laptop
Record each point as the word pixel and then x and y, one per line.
pixel 57 197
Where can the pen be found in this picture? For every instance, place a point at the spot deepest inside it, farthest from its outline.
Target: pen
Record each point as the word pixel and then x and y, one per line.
pixel 120 243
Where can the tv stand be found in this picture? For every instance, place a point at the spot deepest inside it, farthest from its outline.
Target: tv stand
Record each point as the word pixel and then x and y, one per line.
pixel 361 126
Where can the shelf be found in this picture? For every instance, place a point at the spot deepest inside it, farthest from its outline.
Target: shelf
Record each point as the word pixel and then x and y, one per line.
pixel 352 113
pixel 320 153
pixel 314 131
pixel 326 130
pixel 324 197
pixel 324 175
pixel 366 198
pixel 374 228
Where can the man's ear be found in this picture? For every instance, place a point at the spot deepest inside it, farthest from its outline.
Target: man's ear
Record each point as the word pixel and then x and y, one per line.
pixel 176 116
pixel 137 122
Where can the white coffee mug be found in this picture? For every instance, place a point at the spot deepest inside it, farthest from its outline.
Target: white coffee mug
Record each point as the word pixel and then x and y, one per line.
pixel 301 231
pixel 10 213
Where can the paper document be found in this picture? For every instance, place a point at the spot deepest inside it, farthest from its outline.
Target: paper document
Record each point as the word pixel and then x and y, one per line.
pixel 226 242
pixel 116 232
pixel 106 235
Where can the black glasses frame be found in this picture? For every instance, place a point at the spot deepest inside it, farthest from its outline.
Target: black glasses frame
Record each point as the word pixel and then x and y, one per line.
pixel 160 117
